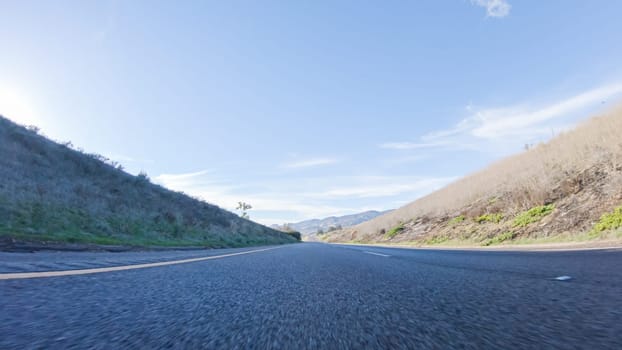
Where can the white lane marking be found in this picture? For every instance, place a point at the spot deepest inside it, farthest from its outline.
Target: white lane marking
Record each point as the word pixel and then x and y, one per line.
pixel 563 278
pixel 22 275
pixel 365 251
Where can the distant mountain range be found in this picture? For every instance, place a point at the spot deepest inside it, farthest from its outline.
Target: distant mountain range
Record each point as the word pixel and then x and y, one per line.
pixel 311 227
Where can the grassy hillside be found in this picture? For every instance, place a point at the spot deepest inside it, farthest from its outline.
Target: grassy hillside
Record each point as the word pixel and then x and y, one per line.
pixel 51 192
pixel 566 189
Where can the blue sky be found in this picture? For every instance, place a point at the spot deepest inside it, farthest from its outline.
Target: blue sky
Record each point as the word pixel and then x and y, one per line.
pixel 307 108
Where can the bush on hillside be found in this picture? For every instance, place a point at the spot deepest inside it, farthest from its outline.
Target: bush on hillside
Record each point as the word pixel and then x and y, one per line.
pixel 297 235
pixel 458 219
pixel 608 221
pixel 494 218
pixel 532 215
pixel 499 239
pixel 394 231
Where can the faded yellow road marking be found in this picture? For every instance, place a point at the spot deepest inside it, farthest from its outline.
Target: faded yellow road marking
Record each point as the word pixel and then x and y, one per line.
pixel 23 275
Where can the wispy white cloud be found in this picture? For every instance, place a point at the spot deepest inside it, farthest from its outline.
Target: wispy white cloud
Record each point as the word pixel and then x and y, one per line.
pixel 496 128
pixel 494 8
pixel 172 178
pixel 201 185
pixel 410 145
pixel 387 188
pixel 306 198
pixel 205 185
pixel 312 162
pixel 407 159
pixel 499 122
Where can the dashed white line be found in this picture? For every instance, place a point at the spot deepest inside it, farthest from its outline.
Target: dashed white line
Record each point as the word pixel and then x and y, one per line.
pixel 563 278
pixel 368 252
pixel 23 275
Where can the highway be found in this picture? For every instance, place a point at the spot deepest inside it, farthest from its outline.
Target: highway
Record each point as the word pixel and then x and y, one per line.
pixel 313 296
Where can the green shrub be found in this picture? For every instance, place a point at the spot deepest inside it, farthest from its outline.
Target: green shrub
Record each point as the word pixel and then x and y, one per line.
pixel 496 218
pixel 394 231
pixel 295 234
pixel 532 215
pixel 498 239
pixel 608 221
pixel 436 240
pixel 458 219
pixel 142 176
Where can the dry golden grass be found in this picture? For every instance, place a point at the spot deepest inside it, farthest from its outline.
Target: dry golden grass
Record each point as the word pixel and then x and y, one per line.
pixel 539 175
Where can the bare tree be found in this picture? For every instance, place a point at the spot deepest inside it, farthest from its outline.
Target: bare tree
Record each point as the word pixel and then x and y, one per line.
pixel 243 207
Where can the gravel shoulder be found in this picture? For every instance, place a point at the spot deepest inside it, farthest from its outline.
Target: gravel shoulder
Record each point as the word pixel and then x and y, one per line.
pixel 568 246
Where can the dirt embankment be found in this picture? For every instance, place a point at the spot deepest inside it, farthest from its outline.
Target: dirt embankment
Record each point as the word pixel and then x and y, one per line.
pixel 565 190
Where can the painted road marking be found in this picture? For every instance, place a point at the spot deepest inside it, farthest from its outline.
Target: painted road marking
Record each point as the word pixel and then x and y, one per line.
pixel 23 275
pixel 563 278
pixel 365 251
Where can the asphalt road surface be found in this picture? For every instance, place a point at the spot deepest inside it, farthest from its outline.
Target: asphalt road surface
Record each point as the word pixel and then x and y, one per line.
pixel 316 296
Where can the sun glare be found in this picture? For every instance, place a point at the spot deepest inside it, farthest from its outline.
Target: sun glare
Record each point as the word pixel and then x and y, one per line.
pixel 16 105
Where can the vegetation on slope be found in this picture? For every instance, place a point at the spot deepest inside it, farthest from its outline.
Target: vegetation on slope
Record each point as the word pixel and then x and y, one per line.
pixel 394 231
pixel 566 188
pixel 608 222
pixel 52 192
pixel 496 218
pixel 532 215
pixel 290 231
